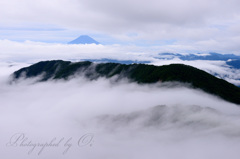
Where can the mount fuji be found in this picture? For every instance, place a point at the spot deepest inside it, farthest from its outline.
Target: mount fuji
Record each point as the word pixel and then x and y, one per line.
pixel 84 39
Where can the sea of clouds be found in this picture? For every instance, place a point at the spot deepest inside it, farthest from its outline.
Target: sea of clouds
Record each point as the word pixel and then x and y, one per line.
pixel 79 118
pixel 105 119
pixel 29 52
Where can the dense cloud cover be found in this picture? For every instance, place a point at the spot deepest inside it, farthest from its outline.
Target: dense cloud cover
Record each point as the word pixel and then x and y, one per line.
pixel 32 52
pixel 104 119
pixel 122 120
pixel 180 24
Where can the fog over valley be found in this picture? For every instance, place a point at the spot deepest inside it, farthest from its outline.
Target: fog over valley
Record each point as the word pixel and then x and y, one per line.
pixel 119 79
pixel 170 119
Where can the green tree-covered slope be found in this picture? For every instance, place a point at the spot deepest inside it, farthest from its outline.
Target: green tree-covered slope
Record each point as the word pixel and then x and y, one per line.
pixel 140 73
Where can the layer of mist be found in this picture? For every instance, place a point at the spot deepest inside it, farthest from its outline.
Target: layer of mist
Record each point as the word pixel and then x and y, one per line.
pixel 121 120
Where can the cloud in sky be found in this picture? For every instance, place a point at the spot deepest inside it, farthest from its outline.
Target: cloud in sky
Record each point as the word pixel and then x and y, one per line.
pixel 204 25
pixel 31 52
pixel 188 123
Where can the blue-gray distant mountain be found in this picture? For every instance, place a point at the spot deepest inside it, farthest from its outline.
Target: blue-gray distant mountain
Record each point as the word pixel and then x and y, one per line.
pixel 108 60
pixel 210 56
pixel 84 39
pixel 234 64
pixel 234 59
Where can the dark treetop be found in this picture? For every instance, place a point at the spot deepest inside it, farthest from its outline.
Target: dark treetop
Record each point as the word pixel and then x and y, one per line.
pixel 140 73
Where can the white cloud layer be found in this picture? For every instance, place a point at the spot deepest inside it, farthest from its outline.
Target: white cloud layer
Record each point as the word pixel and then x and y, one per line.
pixel 121 117
pixel 32 52
pixel 200 24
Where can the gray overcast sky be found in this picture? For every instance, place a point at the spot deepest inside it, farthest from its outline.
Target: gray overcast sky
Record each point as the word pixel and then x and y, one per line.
pixel 184 24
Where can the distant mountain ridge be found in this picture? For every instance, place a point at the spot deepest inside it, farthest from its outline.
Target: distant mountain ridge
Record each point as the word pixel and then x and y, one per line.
pixel 140 73
pixel 84 39
pixel 230 59
pixel 210 56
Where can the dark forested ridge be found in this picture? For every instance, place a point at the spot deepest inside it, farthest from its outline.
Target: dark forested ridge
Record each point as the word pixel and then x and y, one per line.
pixel 140 73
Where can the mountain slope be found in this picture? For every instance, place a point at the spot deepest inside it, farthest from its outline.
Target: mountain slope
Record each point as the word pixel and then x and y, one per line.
pixel 234 64
pixel 84 39
pixel 139 73
pixel 190 57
